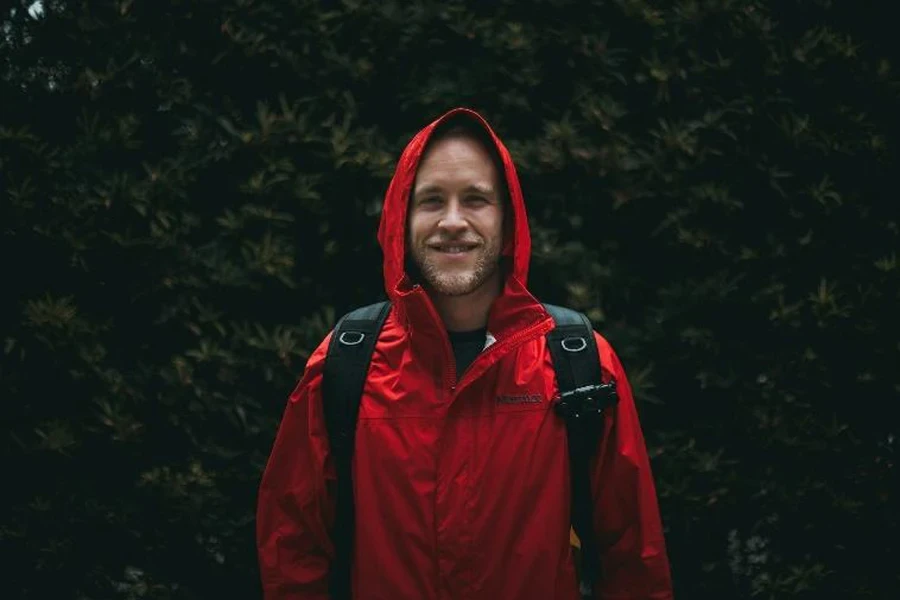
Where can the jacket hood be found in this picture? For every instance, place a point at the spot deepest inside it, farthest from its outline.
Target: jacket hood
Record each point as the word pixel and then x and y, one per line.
pixel 392 230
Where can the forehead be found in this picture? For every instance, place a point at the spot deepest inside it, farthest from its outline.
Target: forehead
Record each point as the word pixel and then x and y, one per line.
pixel 456 158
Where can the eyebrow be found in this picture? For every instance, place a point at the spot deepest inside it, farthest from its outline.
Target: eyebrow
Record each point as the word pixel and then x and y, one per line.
pixel 487 190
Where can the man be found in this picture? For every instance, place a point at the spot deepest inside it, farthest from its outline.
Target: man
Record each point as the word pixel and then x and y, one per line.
pixel 460 471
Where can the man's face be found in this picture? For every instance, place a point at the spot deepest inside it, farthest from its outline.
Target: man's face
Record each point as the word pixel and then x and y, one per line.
pixel 455 230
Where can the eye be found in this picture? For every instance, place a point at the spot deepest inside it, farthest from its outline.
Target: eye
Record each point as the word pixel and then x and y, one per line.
pixel 476 200
pixel 430 200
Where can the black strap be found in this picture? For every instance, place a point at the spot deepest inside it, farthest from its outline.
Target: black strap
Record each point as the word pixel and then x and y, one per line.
pixel 346 366
pixel 583 396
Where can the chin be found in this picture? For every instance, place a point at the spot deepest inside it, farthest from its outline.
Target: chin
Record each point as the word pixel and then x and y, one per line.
pixel 454 290
pixel 457 286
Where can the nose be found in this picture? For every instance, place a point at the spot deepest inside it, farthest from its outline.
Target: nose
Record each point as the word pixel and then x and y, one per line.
pixel 453 220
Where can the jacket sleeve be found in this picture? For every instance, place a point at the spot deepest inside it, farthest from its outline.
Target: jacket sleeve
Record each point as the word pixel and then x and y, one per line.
pixel 295 505
pixel 633 560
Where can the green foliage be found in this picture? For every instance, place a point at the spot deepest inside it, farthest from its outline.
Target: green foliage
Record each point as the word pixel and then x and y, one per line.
pixel 190 196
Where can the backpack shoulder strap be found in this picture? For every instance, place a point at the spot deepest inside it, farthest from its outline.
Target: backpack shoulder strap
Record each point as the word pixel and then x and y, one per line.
pixel 583 397
pixel 573 348
pixel 346 367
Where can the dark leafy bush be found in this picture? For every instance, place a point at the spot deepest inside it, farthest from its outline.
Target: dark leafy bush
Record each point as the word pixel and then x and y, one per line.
pixel 190 195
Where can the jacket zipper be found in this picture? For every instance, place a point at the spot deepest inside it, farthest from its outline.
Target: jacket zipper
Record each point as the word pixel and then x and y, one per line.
pixel 450 382
pixel 533 330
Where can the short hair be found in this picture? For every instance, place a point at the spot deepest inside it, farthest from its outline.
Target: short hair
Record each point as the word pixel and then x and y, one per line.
pixel 464 126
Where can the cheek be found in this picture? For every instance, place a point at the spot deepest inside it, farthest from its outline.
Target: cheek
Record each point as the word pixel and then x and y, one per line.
pixel 416 229
pixel 411 225
pixel 500 229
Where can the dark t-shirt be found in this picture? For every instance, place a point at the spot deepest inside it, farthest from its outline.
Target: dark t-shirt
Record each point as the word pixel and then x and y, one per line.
pixel 466 346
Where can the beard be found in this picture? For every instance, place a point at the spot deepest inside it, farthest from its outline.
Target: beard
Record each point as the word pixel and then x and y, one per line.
pixel 457 280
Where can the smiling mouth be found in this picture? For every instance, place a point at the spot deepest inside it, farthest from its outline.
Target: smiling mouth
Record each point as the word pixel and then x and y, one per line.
pixel 453 248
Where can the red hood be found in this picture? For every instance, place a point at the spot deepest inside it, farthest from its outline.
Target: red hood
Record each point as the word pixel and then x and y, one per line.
pixel 392 231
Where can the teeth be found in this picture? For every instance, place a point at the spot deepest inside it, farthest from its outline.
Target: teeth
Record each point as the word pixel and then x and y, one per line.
pixel 454 249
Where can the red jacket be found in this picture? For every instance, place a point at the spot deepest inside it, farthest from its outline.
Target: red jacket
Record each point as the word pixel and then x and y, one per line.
pixel 460 493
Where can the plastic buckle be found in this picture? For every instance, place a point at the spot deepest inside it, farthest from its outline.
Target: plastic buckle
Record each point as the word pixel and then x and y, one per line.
pixel 587 401
pixel 352 338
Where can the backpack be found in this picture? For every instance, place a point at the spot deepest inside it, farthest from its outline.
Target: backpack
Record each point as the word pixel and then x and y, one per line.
pixel 583 398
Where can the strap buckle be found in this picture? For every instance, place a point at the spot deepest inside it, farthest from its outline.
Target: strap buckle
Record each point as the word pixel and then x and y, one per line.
pixel 586 402
pixel 352 338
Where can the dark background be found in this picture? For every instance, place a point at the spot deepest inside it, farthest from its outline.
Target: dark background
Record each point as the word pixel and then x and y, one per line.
pixel 190 193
